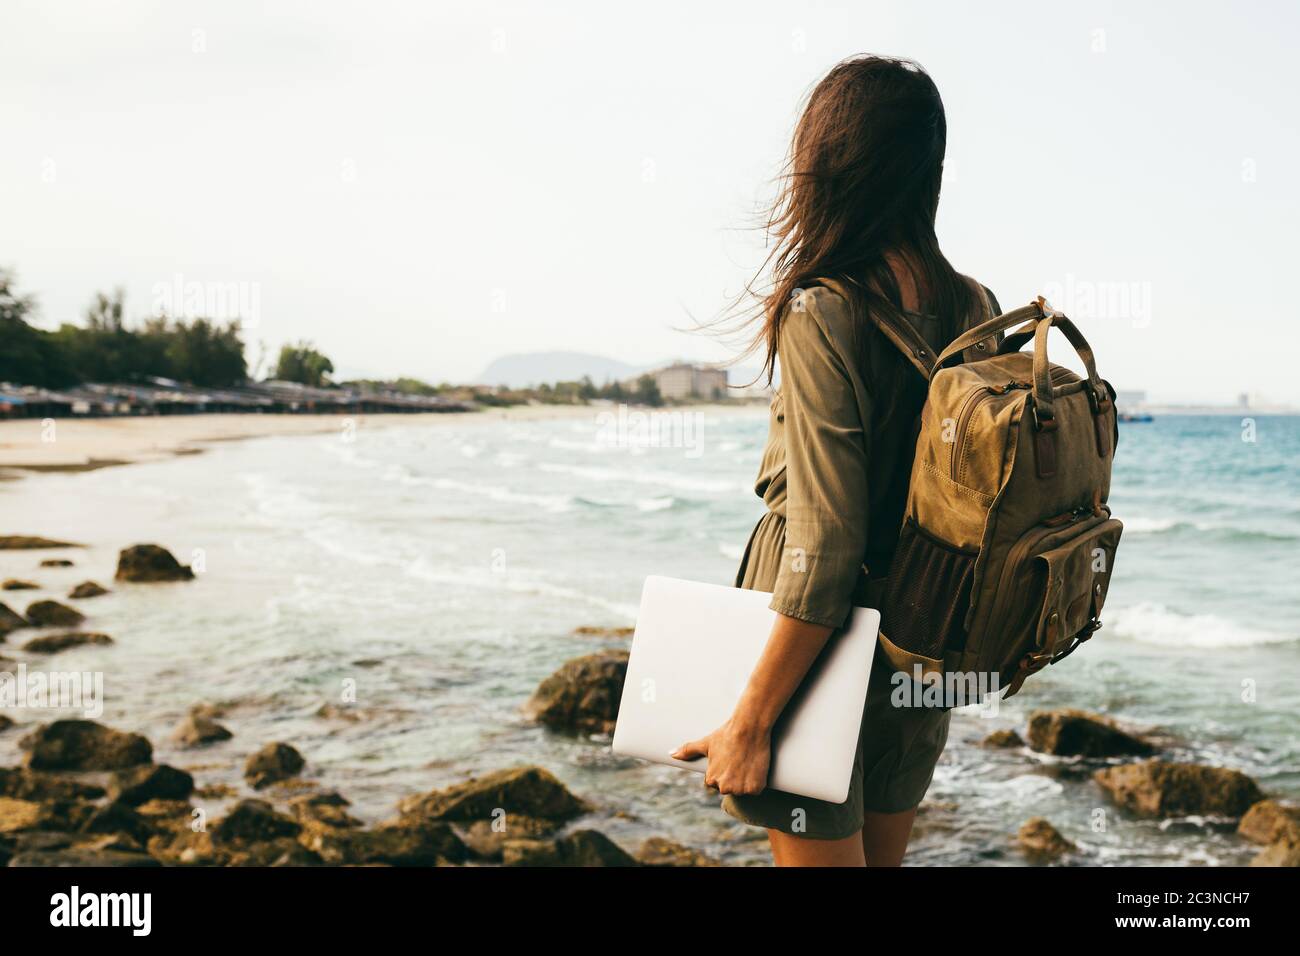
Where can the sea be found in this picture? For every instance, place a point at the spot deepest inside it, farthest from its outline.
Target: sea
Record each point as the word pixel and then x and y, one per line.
pixel 385 599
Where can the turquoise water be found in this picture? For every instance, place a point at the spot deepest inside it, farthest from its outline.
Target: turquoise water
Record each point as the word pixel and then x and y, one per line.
pixel 442 566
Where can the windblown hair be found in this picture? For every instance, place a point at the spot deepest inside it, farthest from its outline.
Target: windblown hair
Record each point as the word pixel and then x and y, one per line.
pixel 861 188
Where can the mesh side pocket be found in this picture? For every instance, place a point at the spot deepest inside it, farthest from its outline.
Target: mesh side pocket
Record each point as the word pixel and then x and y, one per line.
pixel 926 595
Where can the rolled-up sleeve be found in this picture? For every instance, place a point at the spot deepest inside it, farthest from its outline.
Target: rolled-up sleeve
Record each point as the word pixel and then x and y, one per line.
pixel 826 467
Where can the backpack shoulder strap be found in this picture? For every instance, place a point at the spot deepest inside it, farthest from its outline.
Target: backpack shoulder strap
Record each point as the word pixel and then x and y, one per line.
pixel 900 332
pixel 986 310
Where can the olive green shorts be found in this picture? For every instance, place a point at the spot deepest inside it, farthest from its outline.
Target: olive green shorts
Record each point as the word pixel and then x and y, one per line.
pixel 897 752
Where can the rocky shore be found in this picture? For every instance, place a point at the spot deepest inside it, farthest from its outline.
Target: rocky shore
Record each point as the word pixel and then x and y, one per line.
pixel 85 793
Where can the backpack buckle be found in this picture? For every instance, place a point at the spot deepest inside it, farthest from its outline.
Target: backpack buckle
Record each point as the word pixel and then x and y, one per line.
pixel 1046 309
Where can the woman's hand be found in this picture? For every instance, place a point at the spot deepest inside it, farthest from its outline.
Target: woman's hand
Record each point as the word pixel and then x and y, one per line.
pixel 739 755
pixel 740 751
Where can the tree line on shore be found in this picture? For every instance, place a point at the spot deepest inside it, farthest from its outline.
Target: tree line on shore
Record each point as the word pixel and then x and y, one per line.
pixel 210 354
pixel 105 349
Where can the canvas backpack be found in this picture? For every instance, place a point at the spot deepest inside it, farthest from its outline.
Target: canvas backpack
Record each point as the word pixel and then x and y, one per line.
pixel 1007 545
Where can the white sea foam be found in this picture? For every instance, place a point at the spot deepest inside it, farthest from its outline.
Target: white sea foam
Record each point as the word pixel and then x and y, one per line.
pixel 655 504
pixel 553 503
pixel 1151 623
pixel 514 581
pixel 1142 525
pixel 643 477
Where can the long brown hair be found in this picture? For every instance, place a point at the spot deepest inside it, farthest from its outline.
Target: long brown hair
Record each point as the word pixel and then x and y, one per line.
pixel 861 187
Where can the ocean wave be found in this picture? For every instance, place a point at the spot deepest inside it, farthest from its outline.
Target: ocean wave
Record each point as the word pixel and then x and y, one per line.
pixel 1151 623
pixel 277 502
pixel 347 453
pixel 641 477
pixel 733 551
pixel 655 504
pixel 487 579
pixel 499 493
pixel 1144 525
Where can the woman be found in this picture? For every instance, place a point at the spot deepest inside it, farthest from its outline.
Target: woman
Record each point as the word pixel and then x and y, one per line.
pixel 855 233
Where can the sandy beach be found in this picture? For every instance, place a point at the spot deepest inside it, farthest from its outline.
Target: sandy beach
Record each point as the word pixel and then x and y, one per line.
pixel 68 445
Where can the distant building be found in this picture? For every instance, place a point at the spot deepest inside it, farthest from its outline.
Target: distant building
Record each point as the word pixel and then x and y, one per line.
pixel 682 380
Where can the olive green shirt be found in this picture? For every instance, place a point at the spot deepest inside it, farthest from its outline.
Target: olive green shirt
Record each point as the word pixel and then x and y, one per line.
pixel 838 455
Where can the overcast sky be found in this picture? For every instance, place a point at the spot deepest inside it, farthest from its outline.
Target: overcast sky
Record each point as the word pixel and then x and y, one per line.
pixel 420 188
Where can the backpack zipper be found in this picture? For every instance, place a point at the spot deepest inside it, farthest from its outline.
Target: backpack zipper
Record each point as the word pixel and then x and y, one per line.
pixel 973 401
pixel 967 411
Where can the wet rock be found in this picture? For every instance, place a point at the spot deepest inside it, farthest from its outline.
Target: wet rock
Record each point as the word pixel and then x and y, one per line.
pixel 13 584
pixel 1039 838
pixel 56 563
pixel 271 764
pixel 86 589
pixel 82 857
pixel 1002 739
pixel 583 695
pixel 587 631
pixel 253 821
pixel 10 620
pixel 167 814
pixel 425 843
pixel 150 782
pixel 486 838
pixel 1279 854
pixel 210 711
pixel 53 614
pixel 5 722
pixel 657 851
pixel 327 809
pixel 18 815
pixel 68 816
pixel 113 841
pixel 1158 788
pixel 119 818
pixel 186 847
pixel 197 730
pixel 580 848
pixel 1077 733
pixel 525 852
pixel 527 791
pixel 25 542
pixel 1269 821
pixel 84 745
pixel 281 851
pixel 147 563
pixel 42 840
pixel 350 713
pixel 54 643
pixel 215 791
pixel 24 784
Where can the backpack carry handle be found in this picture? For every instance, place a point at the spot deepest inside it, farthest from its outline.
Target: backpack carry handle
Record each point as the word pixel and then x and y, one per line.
pixel 1043 395
pixel 1038 318
pixel 999 323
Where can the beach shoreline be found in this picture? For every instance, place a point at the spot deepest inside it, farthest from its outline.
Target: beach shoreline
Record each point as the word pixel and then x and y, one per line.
pixel 35 446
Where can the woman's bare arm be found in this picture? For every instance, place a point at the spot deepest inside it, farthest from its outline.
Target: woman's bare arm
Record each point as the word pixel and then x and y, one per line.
pixel 740 751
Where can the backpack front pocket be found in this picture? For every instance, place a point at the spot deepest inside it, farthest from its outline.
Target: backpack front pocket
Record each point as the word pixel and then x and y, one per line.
pixel 1076 576
pixel 1048 596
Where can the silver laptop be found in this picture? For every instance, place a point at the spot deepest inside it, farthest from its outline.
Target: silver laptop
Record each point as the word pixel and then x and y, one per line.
pixel 693 651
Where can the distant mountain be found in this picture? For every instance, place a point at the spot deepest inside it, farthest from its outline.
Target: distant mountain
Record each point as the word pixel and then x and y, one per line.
pixel 536 368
